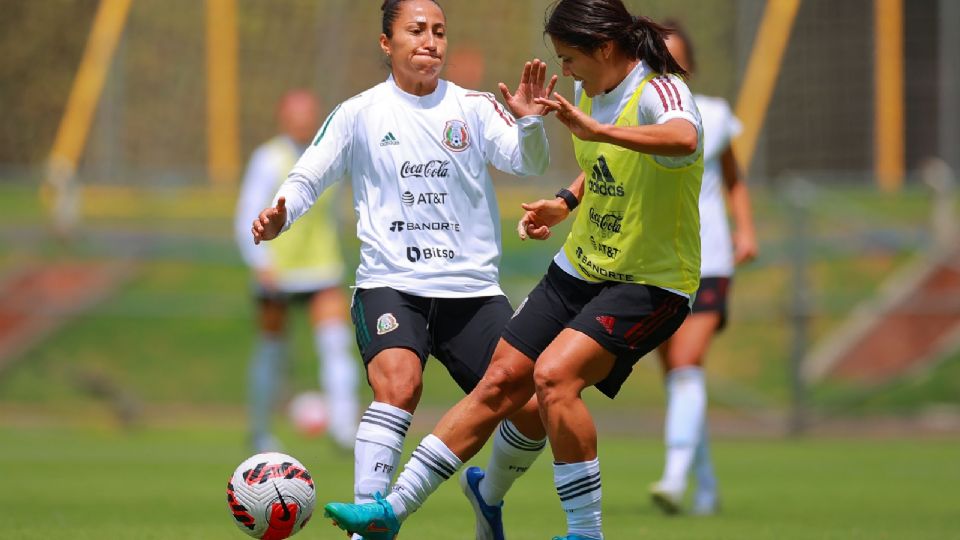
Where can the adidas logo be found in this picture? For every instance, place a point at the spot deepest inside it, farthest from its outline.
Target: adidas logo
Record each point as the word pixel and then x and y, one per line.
pixel 601 171
pixel 602 181
pixel 607 322
pixel 389 140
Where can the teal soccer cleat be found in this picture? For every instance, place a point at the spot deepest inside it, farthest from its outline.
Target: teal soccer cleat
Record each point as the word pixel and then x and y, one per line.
pixel 373 521
pixel 572 537
pixel 489 517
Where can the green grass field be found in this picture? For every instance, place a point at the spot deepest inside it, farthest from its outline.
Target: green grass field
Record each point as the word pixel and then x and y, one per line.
pixel 169 484
pixel 174 340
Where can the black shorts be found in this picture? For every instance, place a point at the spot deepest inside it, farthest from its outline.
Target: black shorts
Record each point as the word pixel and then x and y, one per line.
pixel 712 298
pixel 261 294
pixel 461 333
pixel 627 319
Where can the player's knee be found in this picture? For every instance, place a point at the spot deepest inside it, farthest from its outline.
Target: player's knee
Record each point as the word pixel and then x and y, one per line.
pixel 503 390
pixel 401 392
pixel 551 382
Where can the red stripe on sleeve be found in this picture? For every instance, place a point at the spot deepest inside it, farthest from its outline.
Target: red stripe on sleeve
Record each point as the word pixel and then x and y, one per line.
pixel 659 91
pixel 666 88
pixel 496 106
pixel 675 91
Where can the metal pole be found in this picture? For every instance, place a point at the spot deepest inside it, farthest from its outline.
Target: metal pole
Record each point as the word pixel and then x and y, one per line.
pixel 949 83
pixel 799 195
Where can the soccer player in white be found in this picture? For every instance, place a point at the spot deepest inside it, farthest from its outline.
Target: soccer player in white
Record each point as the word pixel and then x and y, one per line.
pixel 305 266
pixel 621 285
pixel 682 356
pixel 416 150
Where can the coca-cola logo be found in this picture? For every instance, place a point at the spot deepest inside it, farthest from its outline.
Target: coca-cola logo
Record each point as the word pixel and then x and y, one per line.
pixel 608 224
pixel 435 168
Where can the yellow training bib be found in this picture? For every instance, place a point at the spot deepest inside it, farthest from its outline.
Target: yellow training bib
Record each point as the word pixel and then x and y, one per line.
pixel 639 222
pixel 311 246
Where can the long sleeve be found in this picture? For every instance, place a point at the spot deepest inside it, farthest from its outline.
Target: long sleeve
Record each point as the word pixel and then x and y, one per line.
pixel 324 163
pixel 515 146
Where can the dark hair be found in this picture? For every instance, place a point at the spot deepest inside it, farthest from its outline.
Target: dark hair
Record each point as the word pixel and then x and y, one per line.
pixel 678 31
pixel 390 9
pixel 587 24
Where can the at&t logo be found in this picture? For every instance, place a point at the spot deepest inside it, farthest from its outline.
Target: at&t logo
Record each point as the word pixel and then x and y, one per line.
pixel 410 199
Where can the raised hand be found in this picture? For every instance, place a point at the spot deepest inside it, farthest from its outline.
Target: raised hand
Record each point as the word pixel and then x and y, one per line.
pixel 269 223
pixel 523 101
pixel 580 124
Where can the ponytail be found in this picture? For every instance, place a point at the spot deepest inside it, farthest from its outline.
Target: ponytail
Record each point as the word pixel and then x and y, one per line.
pixel 587 24
pixel 646 40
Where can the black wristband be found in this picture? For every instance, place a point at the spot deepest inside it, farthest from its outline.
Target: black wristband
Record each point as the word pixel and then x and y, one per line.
pixel 569 198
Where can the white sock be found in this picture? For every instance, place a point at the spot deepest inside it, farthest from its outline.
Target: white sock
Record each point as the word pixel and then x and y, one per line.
pixel 578 485
pixel 430 464
pixel 686 407
pixel 265 372
pixel 380 437
pixel 333 341
pixel 513 453
pixel 703 465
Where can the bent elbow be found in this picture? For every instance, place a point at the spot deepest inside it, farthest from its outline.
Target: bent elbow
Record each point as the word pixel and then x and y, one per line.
pixel 689 144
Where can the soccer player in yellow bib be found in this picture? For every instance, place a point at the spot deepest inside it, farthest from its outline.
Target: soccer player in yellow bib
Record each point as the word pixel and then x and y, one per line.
pixel 621 285
pixel 304 266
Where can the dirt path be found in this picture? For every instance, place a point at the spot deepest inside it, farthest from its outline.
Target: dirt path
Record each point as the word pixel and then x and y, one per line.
pixel 36 299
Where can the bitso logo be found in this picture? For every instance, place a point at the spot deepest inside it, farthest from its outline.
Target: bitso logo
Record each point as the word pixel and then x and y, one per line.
pixel 386 323
pixel 389 140
pixel 396 226
pixel 602 181
pixel 455 136
pixel 416 253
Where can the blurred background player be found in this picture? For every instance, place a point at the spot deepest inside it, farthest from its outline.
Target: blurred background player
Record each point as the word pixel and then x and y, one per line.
pixel 682 356
pixel 304 266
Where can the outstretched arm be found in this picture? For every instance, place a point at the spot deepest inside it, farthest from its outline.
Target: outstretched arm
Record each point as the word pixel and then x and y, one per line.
pixel 675 137
pixel 270 222
pixel 744 234
pixel 545 213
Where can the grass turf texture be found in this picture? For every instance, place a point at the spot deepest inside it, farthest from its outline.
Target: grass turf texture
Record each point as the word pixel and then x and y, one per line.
pixel 169 483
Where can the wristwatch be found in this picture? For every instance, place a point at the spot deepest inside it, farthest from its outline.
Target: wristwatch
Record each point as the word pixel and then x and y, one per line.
pixel 569 198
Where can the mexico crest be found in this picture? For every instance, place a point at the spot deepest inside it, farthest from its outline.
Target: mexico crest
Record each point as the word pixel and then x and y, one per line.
pixel 455 135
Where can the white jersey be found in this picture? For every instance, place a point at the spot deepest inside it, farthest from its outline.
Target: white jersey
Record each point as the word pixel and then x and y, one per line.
pixel 427 216
pixel 719 127
pixel 664 98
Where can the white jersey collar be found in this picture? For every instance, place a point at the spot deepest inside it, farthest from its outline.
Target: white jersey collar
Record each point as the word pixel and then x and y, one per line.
pixel 628 84
pixel 430 100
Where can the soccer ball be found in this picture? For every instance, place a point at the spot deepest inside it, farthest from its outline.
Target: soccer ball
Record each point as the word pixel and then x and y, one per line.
pixel 271 496
pixel 308 413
